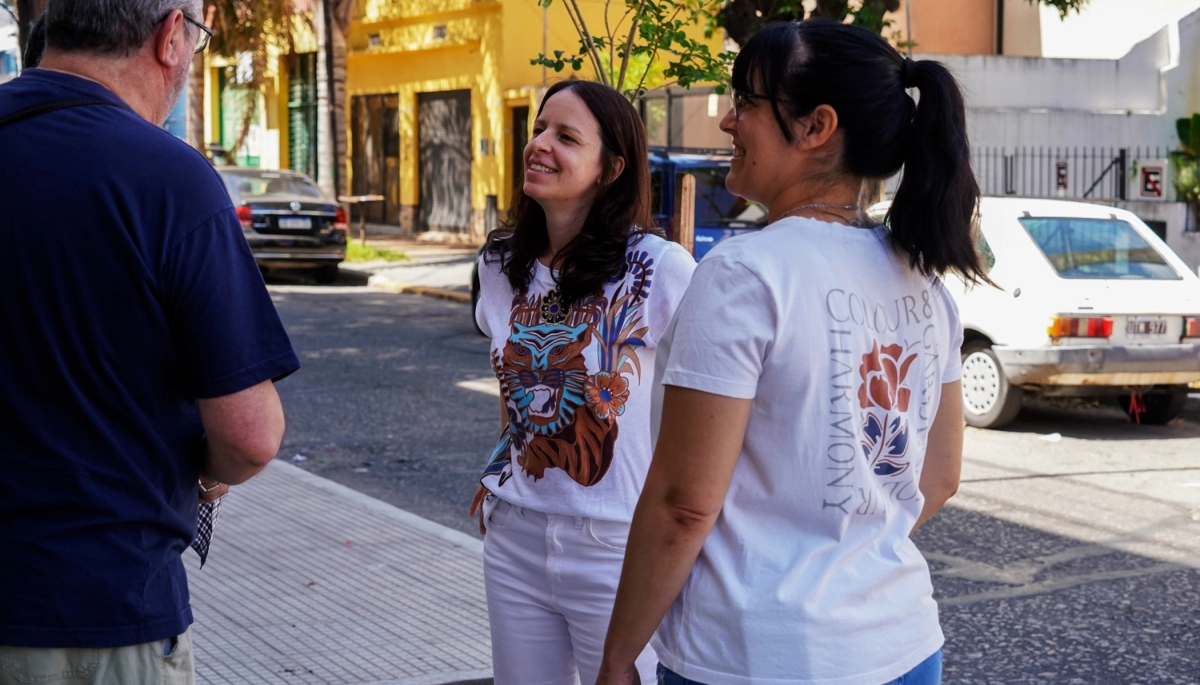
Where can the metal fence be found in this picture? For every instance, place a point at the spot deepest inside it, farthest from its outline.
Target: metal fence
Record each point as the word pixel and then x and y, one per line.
pixel 1097 173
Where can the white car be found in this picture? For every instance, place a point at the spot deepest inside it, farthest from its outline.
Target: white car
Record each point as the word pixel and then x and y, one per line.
pixel 1090 303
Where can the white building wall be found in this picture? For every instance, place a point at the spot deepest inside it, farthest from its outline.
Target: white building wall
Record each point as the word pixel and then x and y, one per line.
pixel 1128 102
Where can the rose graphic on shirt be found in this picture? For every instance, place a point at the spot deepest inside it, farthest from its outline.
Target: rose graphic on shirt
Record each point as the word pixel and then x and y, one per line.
pixel 884 397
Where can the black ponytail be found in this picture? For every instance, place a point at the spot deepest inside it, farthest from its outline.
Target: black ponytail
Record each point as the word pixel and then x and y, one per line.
pixel 865 81
pixel 933 212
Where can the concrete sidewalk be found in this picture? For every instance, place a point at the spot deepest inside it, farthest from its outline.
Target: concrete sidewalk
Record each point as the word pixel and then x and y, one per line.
pixel 438 270
pixel 309 581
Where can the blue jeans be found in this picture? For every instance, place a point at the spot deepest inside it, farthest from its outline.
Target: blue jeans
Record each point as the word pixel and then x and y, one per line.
pixel 928 672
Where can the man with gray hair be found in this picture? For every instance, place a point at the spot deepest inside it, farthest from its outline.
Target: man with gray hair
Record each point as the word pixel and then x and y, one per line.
pixel 138 353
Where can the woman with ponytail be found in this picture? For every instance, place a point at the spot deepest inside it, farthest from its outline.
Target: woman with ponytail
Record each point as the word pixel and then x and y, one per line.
pixel 808 410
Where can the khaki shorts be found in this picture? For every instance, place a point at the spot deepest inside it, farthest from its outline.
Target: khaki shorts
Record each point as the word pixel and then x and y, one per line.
pixel 165 662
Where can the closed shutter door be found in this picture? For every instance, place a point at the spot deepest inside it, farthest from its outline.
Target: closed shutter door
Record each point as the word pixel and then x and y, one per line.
pixel 444 160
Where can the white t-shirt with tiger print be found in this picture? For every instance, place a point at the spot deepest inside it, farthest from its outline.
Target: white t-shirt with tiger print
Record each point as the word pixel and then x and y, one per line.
pixel 576 381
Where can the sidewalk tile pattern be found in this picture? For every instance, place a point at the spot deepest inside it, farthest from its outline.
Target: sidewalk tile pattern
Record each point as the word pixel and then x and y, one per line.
pixel 306 585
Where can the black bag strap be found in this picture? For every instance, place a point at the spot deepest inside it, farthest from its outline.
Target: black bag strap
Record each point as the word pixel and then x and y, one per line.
pixel 52 106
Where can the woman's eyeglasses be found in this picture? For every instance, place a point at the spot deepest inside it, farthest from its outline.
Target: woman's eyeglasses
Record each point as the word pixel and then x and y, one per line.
pixel 742 98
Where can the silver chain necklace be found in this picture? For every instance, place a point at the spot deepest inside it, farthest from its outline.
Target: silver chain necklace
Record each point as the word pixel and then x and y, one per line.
pixel 818 205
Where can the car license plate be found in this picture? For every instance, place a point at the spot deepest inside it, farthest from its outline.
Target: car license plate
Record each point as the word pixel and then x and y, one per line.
pixel 295 222
pixel 1145 327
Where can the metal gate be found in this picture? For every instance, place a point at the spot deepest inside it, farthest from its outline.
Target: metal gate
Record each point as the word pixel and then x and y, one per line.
pixel 1081 173
pixel 302 114
pixel 375 163
pixel 444 160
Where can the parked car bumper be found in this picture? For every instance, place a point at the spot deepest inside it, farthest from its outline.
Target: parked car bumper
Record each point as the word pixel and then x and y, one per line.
pixel 294 254
pixel 1102 366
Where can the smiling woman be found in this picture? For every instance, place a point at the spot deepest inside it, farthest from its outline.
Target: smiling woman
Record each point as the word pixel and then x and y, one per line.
pixel 581 178
pixel 574 294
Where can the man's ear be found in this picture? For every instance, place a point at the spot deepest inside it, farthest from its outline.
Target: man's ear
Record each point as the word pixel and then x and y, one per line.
pixel 171 33
pixel 816 129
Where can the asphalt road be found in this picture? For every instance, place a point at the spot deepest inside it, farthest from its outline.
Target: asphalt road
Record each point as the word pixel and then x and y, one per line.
pixel 1070 554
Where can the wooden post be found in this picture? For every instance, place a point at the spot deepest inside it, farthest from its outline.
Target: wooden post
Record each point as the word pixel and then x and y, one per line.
pixel 685 212
pixel 353 200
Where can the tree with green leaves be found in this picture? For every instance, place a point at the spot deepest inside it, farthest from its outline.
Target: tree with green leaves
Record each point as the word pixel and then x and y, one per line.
pixel 248 32
pixel 1184 160
pixel 645 43
pixel 253 32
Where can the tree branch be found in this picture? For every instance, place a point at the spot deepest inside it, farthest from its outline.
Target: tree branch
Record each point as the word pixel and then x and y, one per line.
pixel 586 35
pixel 629 48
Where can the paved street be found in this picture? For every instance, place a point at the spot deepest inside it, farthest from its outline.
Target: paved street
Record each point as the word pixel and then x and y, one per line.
pixel 1070 554
pixel 376 407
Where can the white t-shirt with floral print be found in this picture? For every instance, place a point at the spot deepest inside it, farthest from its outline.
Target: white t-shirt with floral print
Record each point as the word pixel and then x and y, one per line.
pixel 576 382
pixel 809 576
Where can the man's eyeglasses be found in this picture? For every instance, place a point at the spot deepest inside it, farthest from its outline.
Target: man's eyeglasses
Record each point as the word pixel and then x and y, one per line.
pixel 742 98
pixel 202 37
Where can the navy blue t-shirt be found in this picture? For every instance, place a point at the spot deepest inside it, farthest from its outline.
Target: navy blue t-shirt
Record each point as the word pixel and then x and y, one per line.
pixel 127 291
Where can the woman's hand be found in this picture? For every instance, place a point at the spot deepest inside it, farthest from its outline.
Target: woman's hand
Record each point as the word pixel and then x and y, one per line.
pixel 477 507
pixel 618 676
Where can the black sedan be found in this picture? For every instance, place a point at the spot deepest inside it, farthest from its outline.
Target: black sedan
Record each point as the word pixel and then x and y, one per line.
pixel 288 221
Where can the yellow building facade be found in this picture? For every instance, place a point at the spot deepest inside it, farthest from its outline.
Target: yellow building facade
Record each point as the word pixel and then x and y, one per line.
pixel 280 132
pixel 441 100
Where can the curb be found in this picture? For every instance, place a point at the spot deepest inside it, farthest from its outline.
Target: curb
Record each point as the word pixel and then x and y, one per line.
pixel 428 291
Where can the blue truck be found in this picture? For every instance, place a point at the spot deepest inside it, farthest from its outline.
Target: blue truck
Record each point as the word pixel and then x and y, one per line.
pixel 719 213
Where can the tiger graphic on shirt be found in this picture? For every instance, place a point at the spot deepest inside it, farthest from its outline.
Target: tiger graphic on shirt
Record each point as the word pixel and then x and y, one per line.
pixel 561 413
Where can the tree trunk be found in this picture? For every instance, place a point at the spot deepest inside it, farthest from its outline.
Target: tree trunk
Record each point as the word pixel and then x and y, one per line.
pixel 28 12
pixel 341 149
pixel 195 110
pixel 340 13
pixel 325 141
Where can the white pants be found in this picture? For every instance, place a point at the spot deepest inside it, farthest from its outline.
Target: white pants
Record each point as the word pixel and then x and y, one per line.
pixel 551 582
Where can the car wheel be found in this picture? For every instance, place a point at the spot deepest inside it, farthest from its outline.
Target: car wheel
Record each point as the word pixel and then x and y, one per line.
pixel 326 274
pixel 1158 407
pixel 989 400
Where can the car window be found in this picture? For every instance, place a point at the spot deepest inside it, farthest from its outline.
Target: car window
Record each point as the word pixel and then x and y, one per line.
pixel 715 205
pixel 1097 248
pixel 256 184
pixel 984 248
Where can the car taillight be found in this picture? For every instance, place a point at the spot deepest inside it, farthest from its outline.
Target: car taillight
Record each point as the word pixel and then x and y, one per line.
pixel 243 213
pixel 1191 327
pixel 339 221
pixel 1080 327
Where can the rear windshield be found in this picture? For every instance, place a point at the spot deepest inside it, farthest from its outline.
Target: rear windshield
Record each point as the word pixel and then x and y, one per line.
pixel 715 205
pixel 266 183
pixel 1097 248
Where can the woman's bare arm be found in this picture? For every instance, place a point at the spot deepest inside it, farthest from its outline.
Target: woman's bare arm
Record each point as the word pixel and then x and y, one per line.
pixel 477 500
pixel 698 448
pixel 943 455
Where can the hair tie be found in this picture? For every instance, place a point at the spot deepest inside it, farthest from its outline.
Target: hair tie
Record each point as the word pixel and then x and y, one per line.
pixel 908 73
